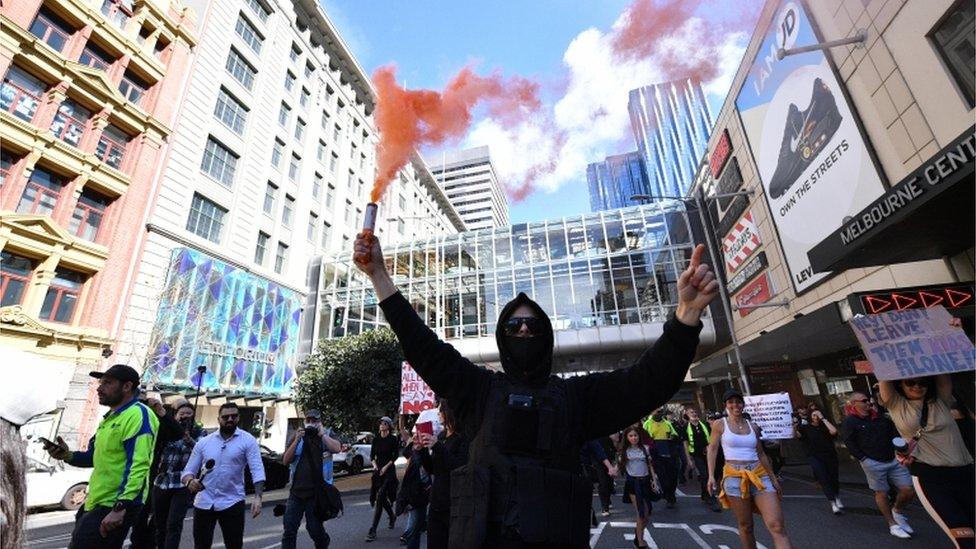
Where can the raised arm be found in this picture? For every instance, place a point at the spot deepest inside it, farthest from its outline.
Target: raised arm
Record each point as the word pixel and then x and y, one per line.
pixel 448 373
pixel 613 400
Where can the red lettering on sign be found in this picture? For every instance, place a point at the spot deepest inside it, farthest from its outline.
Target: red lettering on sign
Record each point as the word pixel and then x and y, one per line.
pixel 721 154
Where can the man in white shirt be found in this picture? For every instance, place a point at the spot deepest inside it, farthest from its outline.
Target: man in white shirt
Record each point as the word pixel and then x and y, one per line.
pixel 215 473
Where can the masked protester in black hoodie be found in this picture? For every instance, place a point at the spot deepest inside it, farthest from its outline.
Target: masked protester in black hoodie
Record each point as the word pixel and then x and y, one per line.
pixel 522 485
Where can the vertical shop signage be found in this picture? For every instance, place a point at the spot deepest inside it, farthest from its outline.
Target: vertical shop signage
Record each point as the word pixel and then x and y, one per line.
pixel 756 292
pixel 740 243
pixel 721 154
pixel 813 161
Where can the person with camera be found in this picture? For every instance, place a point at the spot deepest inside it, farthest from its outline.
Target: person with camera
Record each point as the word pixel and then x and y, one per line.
pixel 868 436
pixel 528 425
pixel 817 436
pixel 309 455
pixel 120 454
pixel 215 474
pixel 934 451
pixel 666 462
pixel 170 499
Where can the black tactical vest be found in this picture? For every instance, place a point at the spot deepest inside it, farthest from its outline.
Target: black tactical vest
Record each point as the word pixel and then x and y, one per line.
pixel 523 470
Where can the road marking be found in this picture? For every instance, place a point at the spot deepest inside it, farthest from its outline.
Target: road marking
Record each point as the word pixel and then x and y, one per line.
pixel 595 534
pixel 709 528
pixel 683 526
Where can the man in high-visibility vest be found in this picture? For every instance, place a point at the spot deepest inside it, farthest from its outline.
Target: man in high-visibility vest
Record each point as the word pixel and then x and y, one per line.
pixel 696 437
pixel 666 447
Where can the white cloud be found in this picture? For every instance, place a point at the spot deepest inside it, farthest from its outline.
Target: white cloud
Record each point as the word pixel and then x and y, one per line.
pixel 590 121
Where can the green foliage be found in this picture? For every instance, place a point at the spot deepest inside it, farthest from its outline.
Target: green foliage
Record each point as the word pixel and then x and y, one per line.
pixel 353 380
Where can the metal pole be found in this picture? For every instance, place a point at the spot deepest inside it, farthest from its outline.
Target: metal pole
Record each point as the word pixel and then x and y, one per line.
pixel 196 399
pixel 858 38
pixel 723 296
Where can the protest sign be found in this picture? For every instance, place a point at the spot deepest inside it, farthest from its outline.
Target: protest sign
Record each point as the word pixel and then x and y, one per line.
pixel 415 395
pixel 773 413
pixel 913 343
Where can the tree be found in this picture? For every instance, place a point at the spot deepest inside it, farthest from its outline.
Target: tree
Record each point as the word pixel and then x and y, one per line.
pixel 353 380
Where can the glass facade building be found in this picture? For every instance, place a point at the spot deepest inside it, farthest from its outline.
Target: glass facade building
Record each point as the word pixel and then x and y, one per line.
pixel 616 179
pixel 606 269
pixel 671 123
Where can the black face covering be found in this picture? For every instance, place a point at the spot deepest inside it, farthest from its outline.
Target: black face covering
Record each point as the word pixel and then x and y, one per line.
pixel 527 360
pixel 529 354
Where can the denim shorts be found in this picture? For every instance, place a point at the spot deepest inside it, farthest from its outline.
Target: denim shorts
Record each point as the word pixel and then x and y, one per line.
pixel 733 485
pixel 883 474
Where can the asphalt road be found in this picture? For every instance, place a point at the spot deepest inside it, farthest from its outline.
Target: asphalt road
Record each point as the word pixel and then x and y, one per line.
pixel 691 524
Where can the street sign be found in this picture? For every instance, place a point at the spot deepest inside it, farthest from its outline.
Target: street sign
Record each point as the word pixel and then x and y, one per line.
pixel 758 291
pixel 753 268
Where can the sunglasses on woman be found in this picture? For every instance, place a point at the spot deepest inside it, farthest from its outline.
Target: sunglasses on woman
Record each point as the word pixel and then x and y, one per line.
pixel 513 325
pixel 912 383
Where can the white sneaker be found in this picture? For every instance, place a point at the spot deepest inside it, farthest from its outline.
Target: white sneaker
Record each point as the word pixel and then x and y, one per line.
pixel 902 521
pixel 898 532
pixel 835 508
pixel 839 504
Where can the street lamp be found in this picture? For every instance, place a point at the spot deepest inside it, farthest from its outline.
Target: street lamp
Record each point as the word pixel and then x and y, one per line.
pixel 723 295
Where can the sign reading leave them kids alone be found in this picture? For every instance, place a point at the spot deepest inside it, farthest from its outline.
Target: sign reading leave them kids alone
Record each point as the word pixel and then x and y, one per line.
pixel 415 395
pixel 913 343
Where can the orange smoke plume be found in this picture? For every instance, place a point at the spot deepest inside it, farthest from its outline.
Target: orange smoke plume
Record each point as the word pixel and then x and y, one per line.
pixel 410 119
pixel 648 23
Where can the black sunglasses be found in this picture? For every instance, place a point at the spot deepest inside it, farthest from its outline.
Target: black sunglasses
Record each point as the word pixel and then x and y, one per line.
pixel 912 383
pixel 513 325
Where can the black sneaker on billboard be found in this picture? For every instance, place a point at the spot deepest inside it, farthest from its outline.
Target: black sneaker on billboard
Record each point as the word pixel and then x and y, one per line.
pixel 805 135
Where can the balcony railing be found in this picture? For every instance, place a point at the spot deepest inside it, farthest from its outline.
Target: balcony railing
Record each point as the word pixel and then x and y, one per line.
pixel 110 152
pixel 18 101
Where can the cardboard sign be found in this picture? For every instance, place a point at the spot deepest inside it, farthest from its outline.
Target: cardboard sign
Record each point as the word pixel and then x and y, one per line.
pixel 913 343
pixel 415 395
pixel 773 413
pixel 758 291
pixel 740 243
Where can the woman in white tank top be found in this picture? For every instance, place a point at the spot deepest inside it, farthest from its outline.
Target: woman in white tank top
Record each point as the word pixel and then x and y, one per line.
pixel 747 483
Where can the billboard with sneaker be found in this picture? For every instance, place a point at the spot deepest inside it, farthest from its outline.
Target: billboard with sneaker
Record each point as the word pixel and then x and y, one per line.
pixel 813 160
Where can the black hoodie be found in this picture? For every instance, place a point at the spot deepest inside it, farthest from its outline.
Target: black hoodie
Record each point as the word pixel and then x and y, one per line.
pixel 609 401
pixel 538 372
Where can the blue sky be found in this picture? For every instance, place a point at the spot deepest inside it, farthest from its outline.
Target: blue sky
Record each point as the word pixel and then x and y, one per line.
pixel 547 40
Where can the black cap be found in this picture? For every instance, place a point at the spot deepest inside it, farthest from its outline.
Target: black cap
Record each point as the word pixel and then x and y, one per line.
pixel 120 372
pixel 730 394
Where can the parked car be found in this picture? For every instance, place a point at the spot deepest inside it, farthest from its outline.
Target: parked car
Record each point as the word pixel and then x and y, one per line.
pixel 276 473
pixel 61 485
pixel 354 456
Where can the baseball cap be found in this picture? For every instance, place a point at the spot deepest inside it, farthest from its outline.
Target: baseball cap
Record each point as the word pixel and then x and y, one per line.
pixel 313 413
pixel 730 394
pixel 120 372
pixel 387 420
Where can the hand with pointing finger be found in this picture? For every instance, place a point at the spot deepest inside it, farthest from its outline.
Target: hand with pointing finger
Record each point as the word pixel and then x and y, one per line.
pixel 697 288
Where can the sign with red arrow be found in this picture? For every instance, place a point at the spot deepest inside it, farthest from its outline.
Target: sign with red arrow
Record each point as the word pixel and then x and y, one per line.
pixel 950 296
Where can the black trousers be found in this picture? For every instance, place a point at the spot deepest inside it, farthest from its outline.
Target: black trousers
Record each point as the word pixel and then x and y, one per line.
pixel 169 511
pixel 826 471
pixel 438 529
pixel 603 484
pixel 701 463
pixel 947 494
pixel 143 529
pixel 86 535
pixel 667 474
pixel 231 522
